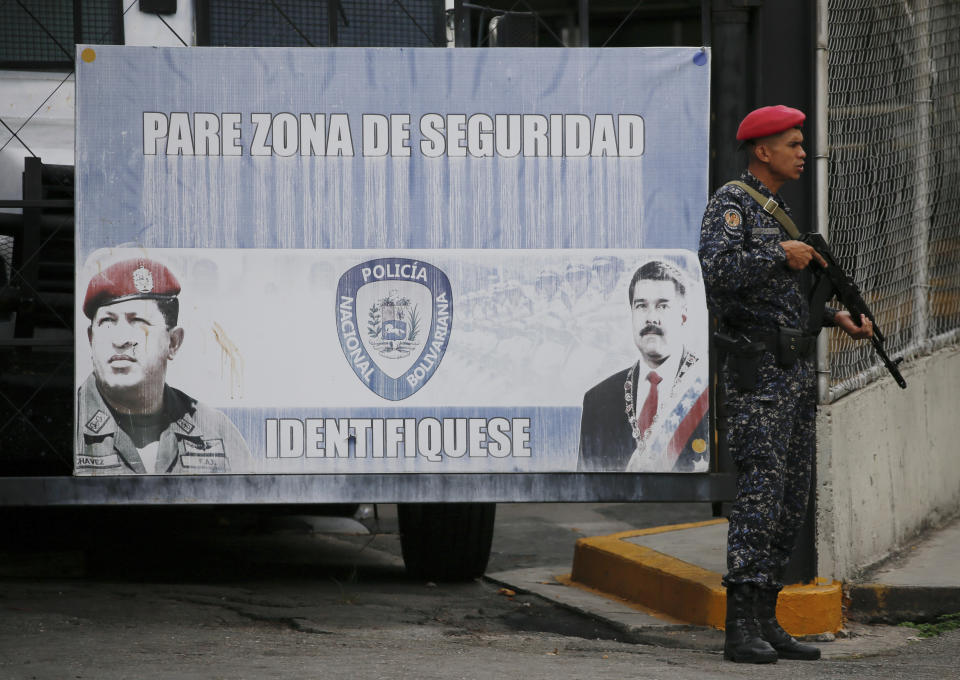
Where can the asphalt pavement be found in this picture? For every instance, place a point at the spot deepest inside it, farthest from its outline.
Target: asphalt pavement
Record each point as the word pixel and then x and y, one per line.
pixel 126 593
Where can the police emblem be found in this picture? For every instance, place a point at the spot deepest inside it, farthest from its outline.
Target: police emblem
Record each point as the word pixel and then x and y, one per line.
pixel 142 279
pixel 732 218
pixel 394 318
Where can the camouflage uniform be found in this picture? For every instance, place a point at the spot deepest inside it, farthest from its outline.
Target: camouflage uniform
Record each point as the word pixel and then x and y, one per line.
pixel 771 427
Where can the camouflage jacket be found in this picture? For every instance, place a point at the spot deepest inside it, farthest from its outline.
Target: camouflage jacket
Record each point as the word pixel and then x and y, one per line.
pixel 749 286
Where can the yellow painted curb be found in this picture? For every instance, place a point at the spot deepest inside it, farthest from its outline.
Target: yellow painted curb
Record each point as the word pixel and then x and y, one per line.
pixel 567 581
pixel 614 566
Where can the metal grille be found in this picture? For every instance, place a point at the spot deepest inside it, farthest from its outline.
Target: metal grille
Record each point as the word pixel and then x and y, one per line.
pixel 614 23
pixel 306 23
pixel 36 32
pixel 6 258
pixel 239 23
pixel 36 328
pixel 41 33
pixel 388 23
pixel 101 21
pixel 894 204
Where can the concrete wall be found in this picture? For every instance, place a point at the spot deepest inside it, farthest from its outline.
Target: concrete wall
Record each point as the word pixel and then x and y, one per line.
pixel 888 465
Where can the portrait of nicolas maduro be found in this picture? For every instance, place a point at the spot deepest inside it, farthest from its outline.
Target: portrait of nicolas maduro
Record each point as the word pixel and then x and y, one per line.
pixel 129 420
pixel 652 415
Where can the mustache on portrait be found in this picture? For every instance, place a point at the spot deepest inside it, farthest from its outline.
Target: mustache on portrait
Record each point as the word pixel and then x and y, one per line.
pixel 651 328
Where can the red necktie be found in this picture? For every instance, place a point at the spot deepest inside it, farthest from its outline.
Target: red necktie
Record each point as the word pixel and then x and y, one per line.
pixel 649 410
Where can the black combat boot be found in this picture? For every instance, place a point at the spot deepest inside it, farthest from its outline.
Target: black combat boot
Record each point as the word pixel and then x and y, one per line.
pixel 743 643
pixel 779 639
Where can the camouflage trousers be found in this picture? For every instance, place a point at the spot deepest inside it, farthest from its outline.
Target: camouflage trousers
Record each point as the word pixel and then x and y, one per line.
pixel 771 437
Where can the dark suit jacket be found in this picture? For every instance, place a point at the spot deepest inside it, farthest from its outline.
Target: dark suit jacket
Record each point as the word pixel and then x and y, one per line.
pixel 606 439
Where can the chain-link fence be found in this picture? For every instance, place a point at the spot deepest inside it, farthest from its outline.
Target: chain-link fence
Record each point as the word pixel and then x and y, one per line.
pixel 894 211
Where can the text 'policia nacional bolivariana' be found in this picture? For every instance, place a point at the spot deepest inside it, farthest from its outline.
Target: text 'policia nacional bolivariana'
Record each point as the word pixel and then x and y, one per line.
pixel 453 135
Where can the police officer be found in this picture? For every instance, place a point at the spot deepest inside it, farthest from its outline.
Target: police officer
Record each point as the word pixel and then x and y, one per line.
pixel 752 271
pixel 129 420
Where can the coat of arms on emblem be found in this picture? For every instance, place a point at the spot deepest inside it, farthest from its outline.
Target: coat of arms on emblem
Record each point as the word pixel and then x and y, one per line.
pixel 394 325
pixel 394 318
pixel 142 279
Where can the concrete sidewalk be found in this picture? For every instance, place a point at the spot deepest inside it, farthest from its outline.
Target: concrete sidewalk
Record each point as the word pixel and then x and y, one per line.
pixel 662 586
pixel 919 583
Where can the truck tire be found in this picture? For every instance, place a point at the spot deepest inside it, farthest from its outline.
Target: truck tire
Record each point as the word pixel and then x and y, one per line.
pixel 446 541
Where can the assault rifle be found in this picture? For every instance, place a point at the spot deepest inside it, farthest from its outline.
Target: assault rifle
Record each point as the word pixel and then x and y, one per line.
pixel 835 281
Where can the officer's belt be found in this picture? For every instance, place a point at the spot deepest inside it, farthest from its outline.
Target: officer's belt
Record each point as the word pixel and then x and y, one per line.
pixel 787 344
pixel 745 352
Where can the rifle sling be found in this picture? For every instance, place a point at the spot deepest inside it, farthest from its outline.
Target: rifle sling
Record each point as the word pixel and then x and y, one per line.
pixel 823 291
pixel 771 207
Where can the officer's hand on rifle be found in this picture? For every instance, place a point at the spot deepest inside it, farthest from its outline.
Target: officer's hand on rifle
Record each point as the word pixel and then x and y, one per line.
pixel 845 322
pixel 799 254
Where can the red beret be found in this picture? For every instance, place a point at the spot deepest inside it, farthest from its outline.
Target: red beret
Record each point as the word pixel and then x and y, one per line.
pixel 769 120
pixel 129 280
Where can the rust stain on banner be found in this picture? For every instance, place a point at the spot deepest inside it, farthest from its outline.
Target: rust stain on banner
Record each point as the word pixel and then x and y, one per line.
pixel 230 358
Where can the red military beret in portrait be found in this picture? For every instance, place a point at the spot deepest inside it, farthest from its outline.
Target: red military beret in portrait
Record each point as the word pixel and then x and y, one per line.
pixel 769 120
pixel 129 280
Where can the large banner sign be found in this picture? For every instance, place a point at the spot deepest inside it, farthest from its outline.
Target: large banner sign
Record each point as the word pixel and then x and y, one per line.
pixel 390 260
